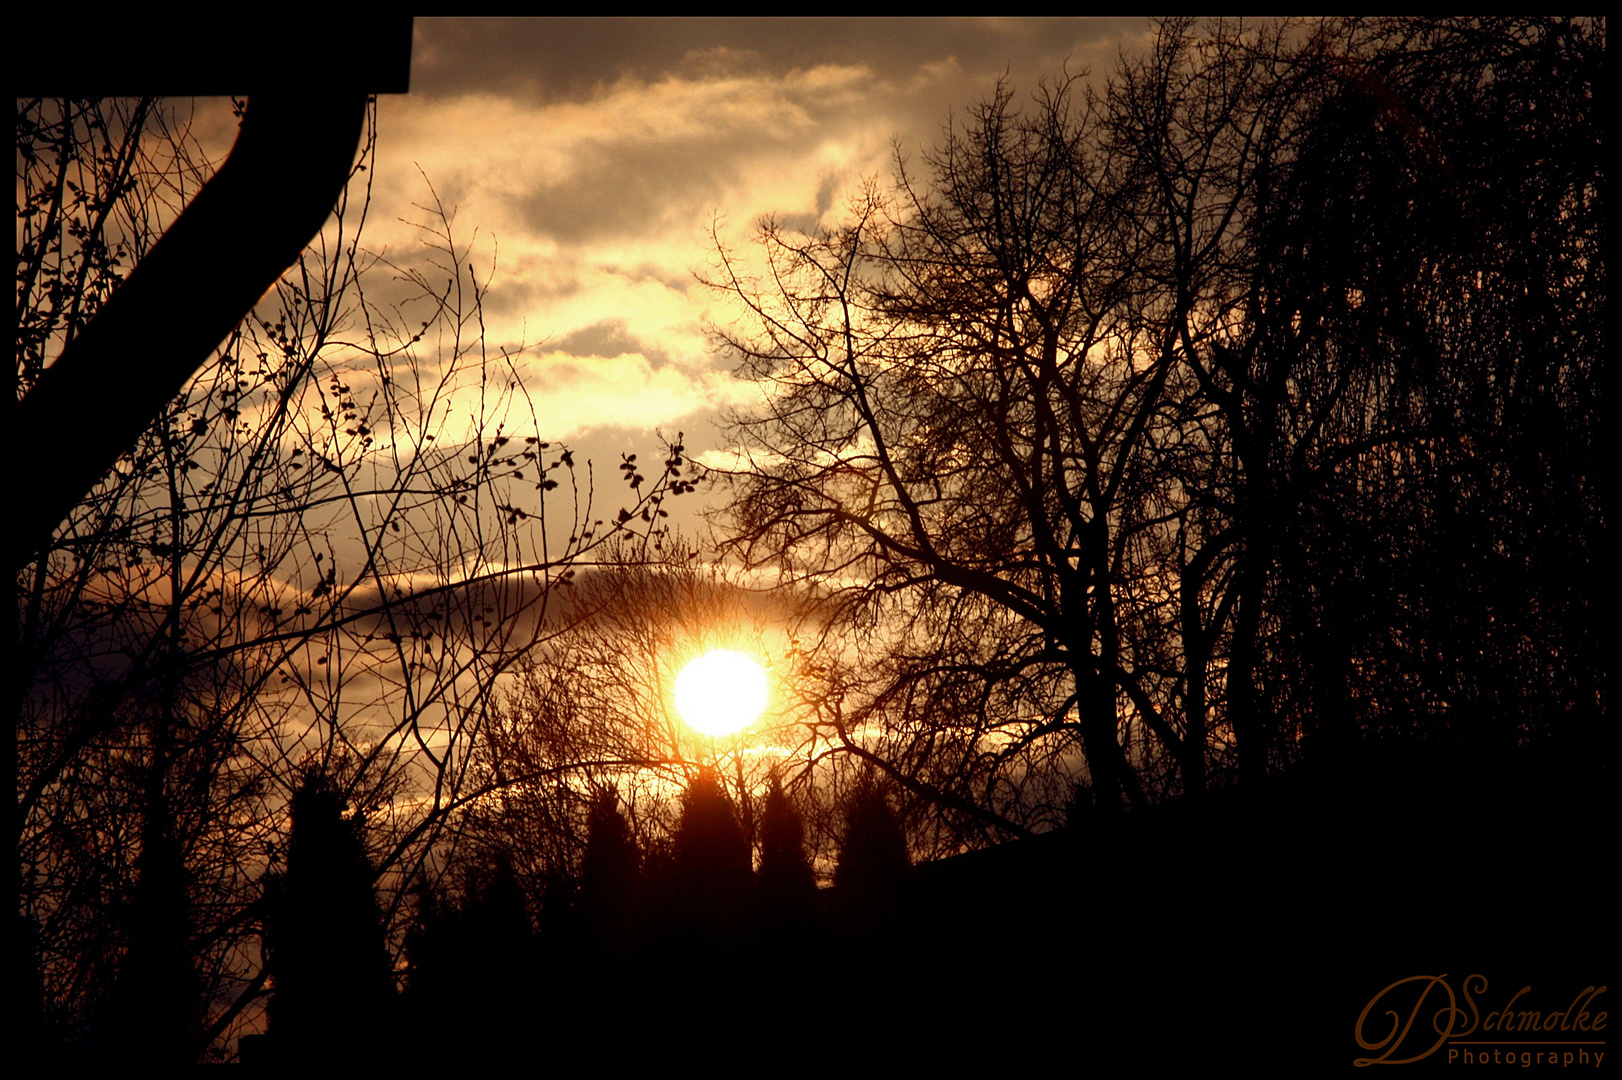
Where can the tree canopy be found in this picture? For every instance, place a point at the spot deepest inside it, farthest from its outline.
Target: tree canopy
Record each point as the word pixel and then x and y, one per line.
pixel 1158 436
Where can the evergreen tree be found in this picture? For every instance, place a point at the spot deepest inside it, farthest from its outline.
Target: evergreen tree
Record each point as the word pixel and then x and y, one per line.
pixel 873 876
pixel 156 1007
pixel 788 925
pixel 787 891
pixel 334 983
pixel 610 876
pixel 712 852
pixel 473 971
pixel 702 918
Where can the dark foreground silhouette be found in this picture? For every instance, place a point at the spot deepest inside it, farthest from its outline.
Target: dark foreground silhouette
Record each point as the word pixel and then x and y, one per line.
pixel 1245 926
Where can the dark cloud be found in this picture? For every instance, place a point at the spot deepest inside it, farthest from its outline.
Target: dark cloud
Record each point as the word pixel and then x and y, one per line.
pixel 807 223
pixel 652 183
pixel 628 182
pixel 662 126
pixel 608 338
pixel 568 59
pixel 518 298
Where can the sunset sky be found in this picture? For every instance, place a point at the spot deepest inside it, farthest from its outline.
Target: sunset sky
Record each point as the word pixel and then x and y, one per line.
pixel 1147 566
pixel 589 159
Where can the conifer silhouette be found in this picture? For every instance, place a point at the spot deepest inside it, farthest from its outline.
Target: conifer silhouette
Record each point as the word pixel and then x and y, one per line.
pixel 334 983
pixel 873 876
pixel 712 852
pixel 473 971
pixel 787 891
pixel 704 904
pixel 155 1012
pixel 788 925
pixel 610 876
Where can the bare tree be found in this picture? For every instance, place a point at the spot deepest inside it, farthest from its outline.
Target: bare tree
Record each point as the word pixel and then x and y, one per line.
pixel 1092 443
pixel 963 380
pixel 323 558
pixel 1340 296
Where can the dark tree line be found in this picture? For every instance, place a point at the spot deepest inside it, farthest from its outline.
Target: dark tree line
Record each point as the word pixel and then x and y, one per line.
pixel 631 949
pixel 1240 414
pixel 642 950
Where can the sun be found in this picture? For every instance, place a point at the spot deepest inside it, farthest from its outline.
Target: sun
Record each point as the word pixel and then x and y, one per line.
pixel 720 692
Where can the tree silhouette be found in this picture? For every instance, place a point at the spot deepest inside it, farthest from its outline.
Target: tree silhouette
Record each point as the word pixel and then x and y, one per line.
pixel 326 952
pixel 1351 310
pixel 1148 440
pixel 872 879
pixel 785 885
pixel 156 1010
pixel 1471 542
pixel 610 879
pixel 698 919
pixel 712 864
pixel 303 544
pixel 475 974
pixel 964 387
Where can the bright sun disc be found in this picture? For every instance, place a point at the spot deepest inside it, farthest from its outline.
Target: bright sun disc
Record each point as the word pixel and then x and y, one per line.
pixel 721 692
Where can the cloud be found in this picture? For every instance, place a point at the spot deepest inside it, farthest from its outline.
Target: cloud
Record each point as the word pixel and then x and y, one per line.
pixel 588 160
pixel 606 338
pixel 575 394
pixel 570 58
pixel 642 161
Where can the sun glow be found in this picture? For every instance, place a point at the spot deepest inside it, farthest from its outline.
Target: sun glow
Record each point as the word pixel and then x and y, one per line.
pixel 721 692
